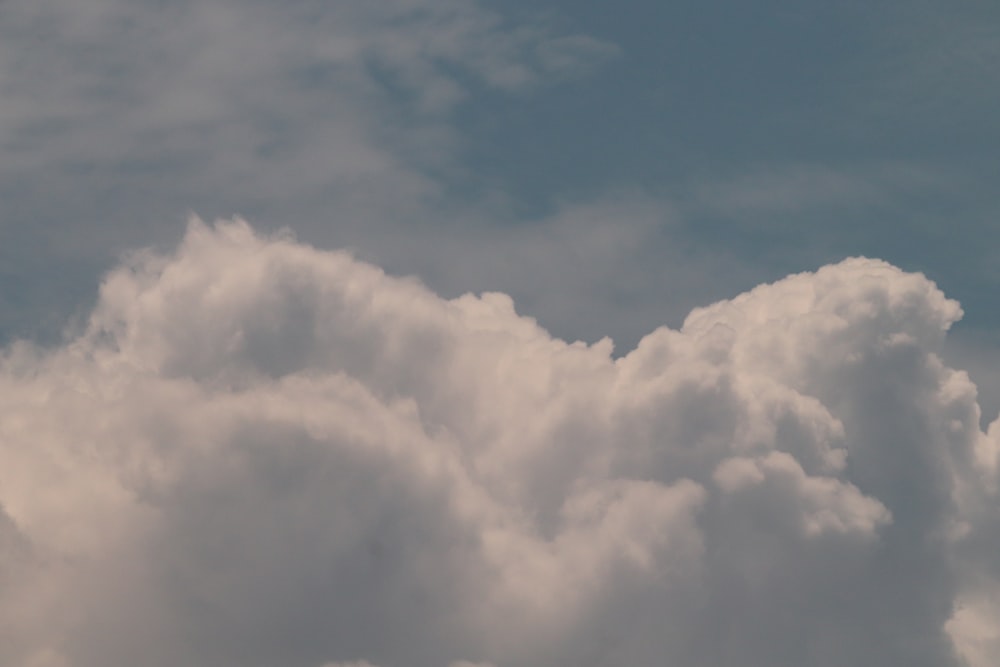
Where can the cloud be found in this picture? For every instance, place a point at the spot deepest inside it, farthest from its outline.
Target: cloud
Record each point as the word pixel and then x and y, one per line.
pixel 262 102
pixel 113 111
pixel 132 80
pixel 260 453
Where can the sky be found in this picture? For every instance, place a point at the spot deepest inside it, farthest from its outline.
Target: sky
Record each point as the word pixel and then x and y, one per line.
pixel 458 333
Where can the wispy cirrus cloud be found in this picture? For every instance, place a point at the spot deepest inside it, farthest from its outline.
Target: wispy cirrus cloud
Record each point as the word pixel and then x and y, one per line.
pixel 117 118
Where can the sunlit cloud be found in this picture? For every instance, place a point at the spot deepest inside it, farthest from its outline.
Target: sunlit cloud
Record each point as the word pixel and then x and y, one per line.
pixel 256 452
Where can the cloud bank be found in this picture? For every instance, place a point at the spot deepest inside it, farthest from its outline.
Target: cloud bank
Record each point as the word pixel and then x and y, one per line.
pixel 257 453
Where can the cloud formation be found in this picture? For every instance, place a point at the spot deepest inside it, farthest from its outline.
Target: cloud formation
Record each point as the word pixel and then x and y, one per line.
pixel 257 453
pixel 121 114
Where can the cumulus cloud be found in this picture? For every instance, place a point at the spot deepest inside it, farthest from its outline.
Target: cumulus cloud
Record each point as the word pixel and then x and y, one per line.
pixel 258 453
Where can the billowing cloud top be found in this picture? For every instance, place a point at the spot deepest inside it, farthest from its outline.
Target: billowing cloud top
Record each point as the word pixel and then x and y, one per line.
pixel 260 454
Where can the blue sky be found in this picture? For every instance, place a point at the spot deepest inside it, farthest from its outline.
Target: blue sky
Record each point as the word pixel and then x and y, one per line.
pixel 786 133
pixel 775 137
pixel 610 166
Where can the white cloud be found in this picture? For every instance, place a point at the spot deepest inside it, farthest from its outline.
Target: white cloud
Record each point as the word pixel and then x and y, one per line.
pixel 259 453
